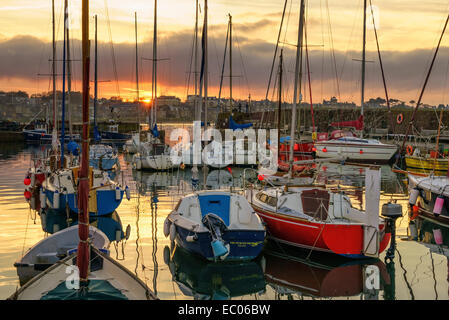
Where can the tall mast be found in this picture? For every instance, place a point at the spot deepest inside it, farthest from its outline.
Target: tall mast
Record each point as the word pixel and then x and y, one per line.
pixel 205 65
pixel 69 74
pixel 83 185
pixel 137 77
pixel 63 86
pixel 230 61
pixel 96 74
pixel 297 81
pixel 154 76
pixel 195 101
pixel 53 68
pixel 281 61
pixel 363 65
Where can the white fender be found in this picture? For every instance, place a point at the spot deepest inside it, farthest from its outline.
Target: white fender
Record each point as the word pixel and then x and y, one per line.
pixel 167 224
pixel 172 232
pixel 56 200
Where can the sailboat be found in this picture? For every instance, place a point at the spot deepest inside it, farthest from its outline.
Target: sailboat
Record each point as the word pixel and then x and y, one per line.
pixel 346 144
pixel 94 275
pixel 315 218
pixel 153 154
pixel 216 225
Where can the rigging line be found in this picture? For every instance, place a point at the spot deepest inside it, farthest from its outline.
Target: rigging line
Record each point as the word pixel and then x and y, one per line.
pixel 382 68
pixel 190 65
pixel 114 66
pixel 423 89
pixel 223 65
pixel 308 76
pixel 332 51
pixel 276 50
pixel 245 74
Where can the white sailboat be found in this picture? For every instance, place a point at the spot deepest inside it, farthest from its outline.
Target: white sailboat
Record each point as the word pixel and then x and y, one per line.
pixel 345 143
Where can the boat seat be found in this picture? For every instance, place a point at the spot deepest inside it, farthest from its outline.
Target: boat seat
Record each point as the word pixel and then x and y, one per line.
pixel 62 251
pixel 47 258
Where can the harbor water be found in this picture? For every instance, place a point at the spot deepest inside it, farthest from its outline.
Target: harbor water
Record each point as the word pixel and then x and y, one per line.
pixel 419 271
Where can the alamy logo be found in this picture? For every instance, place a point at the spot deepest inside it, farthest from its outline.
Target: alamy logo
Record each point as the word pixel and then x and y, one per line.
pixel 239 147
pixel 372 277
pixel 73 280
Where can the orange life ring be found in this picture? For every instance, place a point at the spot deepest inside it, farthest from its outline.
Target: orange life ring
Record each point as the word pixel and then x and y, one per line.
pixel 409 150
pixel 399 118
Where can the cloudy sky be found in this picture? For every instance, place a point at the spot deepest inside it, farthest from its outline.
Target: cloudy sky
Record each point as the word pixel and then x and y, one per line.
pixel 408 33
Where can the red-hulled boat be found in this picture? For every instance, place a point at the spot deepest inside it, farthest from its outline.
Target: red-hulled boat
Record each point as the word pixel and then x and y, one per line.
pixel 315 218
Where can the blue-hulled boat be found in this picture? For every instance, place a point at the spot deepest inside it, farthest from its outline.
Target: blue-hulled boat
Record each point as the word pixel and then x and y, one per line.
pixel 218 225
pixel 59 190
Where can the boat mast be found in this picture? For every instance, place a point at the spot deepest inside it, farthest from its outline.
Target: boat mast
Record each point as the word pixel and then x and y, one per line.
pixel 195 101
pixel 137 77
pixel 154 75
pixel 63 86
pixel 230 62
pixel 205 65
pixel 83 185
pixel 297 81
pixel 96 76
pixel 363 67
pixel 69 73
pixel 53 68
pixel 281 61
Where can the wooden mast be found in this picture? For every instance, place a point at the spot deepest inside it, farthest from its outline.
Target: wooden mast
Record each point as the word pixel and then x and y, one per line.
pixel 83 186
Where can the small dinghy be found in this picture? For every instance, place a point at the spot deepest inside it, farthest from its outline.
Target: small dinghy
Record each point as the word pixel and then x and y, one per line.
pixel 108 280
pixel 54 248
pixel 217 225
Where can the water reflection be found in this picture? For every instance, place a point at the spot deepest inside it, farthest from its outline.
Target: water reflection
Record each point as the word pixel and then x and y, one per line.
pixel 290 273
pixel 420 269
pixel 205 280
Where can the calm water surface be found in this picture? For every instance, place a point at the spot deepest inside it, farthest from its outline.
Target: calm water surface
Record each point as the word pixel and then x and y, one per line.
pixel 419 271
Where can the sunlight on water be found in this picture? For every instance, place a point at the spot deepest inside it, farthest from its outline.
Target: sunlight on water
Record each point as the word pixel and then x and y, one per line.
pixel 418 272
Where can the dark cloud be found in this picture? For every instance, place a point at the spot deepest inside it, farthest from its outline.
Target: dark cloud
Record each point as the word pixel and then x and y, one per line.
pixel 24 57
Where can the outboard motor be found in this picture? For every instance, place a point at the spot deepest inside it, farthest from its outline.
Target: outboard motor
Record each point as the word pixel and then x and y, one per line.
pixel 391 212
pixel 216 227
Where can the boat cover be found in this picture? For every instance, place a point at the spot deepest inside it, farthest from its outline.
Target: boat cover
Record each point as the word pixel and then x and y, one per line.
pixel 217 204
pixel 235 126
pixel 97 290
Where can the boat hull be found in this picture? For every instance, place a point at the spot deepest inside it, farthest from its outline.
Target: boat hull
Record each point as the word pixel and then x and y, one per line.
pixel 106 202
pixel 324 237
pixel 355 152
pixel 439 167
pixel 243 244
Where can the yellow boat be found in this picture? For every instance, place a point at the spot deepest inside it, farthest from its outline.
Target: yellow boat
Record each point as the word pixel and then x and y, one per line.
pixel 427 165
